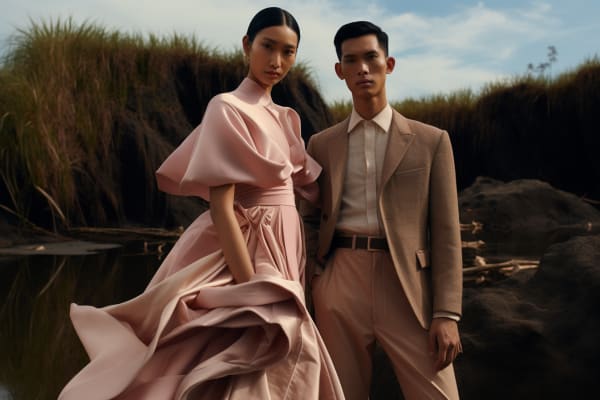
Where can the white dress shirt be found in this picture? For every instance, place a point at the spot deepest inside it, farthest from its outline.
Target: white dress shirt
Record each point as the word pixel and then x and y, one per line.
pixel 367 143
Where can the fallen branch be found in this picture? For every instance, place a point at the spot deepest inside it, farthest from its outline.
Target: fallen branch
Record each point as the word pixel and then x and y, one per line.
pixel 591 201
pixel 474 227
pixel 157 232
pixel 511 265
pixel 475 244
pixel 483 272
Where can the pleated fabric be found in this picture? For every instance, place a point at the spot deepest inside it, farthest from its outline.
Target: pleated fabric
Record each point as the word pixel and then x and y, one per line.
pixel 194 333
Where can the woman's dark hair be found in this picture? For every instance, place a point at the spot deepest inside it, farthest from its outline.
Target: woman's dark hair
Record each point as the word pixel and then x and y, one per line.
pixel 356 29
pixel 271 16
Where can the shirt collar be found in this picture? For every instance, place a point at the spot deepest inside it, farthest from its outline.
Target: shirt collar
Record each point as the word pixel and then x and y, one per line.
pixel 383 119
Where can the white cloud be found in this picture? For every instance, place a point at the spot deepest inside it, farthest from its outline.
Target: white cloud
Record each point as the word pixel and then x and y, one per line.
pixel 466 48
pixel 425 75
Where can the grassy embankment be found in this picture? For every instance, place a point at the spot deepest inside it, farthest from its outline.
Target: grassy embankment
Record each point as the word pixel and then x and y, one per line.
pixel 529 127
pixel 87 115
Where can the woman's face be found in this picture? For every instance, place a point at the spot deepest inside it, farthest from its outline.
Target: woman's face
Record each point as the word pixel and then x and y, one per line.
pixel 271 54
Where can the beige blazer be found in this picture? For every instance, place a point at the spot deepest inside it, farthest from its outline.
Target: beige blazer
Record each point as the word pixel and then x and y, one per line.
pixel 418 206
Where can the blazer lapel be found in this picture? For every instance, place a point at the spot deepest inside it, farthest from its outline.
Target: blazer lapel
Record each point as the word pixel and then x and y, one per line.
pixel 400 139
pixel 338 159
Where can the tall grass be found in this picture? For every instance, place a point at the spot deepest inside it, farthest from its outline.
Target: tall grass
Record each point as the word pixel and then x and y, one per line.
pixel 87 115
pixel 70 84
pixel 542 128
pixel 525 127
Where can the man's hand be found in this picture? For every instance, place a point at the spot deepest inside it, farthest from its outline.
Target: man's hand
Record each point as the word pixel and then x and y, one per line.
pixel 444 342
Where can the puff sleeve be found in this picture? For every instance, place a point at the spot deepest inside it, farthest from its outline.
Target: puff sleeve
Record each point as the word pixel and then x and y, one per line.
pixel 221 150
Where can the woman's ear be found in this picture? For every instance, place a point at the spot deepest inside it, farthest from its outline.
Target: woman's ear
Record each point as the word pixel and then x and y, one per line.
pixel 246 44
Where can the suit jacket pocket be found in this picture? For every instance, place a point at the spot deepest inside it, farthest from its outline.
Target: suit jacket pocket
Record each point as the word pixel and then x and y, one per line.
pixel 423 258
pixel 408 171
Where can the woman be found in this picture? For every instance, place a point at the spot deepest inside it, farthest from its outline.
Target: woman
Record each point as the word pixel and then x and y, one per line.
pixel 224 316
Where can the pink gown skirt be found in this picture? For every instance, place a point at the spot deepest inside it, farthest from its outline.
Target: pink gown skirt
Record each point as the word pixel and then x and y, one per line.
pixel 195 334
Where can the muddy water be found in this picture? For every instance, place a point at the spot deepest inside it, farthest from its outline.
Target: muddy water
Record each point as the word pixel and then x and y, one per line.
pixel 39 350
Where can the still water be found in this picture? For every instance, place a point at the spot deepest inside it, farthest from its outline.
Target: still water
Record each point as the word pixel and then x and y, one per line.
pixel 39 350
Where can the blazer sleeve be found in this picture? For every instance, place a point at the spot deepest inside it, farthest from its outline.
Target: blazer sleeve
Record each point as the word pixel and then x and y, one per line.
pixel 445 241
pixel 310 211
pixel 311 216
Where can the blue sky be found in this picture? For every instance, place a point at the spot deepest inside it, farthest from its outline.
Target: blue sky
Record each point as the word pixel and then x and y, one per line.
pixel 440 46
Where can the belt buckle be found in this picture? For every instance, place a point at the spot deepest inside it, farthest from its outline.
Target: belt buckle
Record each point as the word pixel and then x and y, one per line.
pixel 369 244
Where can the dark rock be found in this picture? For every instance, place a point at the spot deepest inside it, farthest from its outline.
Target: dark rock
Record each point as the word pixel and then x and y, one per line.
pixel 527 212
pixel 537 339
pixel 525 204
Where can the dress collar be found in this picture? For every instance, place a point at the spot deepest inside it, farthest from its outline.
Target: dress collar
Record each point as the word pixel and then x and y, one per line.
pixel 253 93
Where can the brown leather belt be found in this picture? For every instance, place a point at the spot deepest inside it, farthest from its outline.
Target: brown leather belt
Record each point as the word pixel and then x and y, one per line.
pixel 354 242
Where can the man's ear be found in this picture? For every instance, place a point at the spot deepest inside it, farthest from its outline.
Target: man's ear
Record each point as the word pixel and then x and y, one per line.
pixel 390 64
pixel 338 70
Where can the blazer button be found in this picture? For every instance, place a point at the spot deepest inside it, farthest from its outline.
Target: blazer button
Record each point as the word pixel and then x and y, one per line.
pixel 324 217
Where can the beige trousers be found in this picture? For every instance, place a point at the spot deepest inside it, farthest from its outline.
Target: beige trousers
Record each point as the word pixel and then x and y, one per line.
pixel 358 300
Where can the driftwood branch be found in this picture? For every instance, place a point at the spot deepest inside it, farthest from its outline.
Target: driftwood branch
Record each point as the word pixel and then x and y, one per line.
pixel 511 266
pixel 474 244
pixel 474 227
pixel 154 232
pixel 483 272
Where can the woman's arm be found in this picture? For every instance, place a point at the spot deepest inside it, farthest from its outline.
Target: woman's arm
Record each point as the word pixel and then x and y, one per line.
pixel 229 233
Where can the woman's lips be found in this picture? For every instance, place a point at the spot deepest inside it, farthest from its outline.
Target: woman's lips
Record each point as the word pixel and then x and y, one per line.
pixel 273 74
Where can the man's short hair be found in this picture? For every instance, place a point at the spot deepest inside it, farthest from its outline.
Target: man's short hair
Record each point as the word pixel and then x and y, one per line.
pixel 356 29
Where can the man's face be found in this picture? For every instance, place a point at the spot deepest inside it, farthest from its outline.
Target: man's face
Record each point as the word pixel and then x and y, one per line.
pixel 364 66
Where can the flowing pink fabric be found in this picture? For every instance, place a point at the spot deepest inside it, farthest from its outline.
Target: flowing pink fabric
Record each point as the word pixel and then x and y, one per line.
pixel 193 333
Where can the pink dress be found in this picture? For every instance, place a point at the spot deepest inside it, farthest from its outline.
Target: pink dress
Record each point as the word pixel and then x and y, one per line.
pixel 194 333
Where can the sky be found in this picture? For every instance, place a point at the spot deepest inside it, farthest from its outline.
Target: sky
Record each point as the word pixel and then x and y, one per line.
pixel 440 46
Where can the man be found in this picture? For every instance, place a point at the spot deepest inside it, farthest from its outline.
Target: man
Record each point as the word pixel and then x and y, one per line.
pixel 389 248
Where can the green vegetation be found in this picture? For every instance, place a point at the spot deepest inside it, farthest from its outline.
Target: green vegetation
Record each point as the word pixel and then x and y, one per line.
pixel 531 126
pixel 88 115
pixel 62 89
